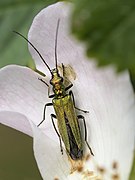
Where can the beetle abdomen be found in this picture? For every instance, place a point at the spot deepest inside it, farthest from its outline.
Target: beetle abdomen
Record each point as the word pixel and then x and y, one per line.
pixel 75 153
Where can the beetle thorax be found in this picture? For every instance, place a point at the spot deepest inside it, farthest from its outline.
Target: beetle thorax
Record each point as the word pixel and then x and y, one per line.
pixel 57 83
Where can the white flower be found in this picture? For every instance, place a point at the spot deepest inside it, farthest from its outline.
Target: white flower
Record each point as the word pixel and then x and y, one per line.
pixel 108 97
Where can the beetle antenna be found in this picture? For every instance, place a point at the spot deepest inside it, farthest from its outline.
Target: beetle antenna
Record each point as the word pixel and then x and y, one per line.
pixel 35 50
pixel 56 38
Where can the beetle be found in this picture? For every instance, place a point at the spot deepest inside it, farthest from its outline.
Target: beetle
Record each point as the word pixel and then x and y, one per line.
pixel 65 109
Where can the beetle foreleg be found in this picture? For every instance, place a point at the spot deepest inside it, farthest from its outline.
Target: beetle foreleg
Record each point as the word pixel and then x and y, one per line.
pixel 68 87
pixel 54 116
pixel 43 82
pixel 81 117
pixel 50 96
pixel 48 104
pixel 63 70
pixel 46 85
pixel 71 93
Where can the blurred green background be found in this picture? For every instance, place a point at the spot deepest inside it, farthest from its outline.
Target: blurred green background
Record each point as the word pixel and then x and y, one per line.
pixel 17 15
pixel 16 156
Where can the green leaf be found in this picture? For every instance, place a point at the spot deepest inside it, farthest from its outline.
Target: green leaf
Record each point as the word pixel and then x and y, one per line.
pixel 17 15
pixel 108 30
pixel 132 174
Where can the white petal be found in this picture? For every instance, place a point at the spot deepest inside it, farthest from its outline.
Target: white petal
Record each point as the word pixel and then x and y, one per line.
pixel 16 121
pixel 22 96
pixel 108 97
pixel 49 158
pixel 45 21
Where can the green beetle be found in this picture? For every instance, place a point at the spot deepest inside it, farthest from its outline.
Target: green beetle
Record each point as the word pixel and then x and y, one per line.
pixel 65 110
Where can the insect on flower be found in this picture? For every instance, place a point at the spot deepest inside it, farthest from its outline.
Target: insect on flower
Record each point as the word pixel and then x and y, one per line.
pixel 65 109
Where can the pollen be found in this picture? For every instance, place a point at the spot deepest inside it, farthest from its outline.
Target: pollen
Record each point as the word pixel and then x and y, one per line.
pixel 115 177
pixel 87 157
pixel 76 165
pixel 90 175
pixel 56 178
pixel 101 170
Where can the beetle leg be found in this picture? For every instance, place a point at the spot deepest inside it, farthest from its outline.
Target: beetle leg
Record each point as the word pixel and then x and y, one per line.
pixel 48 104
pixel 43 82
pixel 50 96
pixel 68 87
pixel 54 116
pixel 71 93
pixel 82 117
pixel 63 70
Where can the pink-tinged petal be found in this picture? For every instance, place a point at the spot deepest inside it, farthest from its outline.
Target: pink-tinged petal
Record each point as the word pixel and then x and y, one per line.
pixel 48 156
pixel 22 96
pixel 108 96
pixel 16 121
pixel 52 164
pixel 43 32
